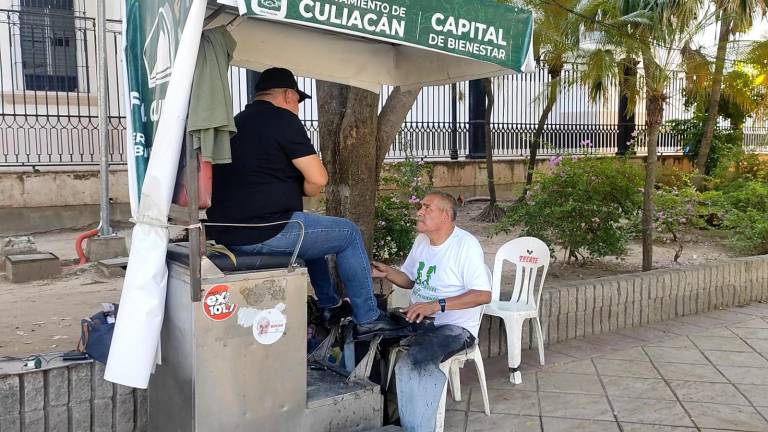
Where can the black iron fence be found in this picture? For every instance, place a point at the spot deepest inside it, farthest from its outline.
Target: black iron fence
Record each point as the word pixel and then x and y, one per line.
pixel 48 114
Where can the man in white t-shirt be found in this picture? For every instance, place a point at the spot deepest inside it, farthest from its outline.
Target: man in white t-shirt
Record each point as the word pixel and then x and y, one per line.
pixel 449 280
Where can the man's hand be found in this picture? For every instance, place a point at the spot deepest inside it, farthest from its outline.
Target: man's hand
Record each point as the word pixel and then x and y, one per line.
pixel 417 311
pixel 379 270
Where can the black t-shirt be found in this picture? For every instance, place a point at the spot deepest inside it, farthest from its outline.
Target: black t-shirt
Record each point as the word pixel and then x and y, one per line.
pixel 261 185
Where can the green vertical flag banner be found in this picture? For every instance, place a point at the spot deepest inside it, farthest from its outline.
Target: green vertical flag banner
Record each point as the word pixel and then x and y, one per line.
pixel 151 34
pixel 483 30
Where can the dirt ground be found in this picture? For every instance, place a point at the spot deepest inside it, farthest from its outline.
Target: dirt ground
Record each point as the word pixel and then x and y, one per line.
pixel 44 316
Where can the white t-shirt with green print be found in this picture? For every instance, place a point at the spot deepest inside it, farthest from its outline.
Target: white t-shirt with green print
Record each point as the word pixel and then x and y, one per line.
pixel 448 270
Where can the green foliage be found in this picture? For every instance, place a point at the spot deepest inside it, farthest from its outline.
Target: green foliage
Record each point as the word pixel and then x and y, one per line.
pixel 740 166
pixel 395 228
pixel 740 205
pixel 691 131
pixel 589 206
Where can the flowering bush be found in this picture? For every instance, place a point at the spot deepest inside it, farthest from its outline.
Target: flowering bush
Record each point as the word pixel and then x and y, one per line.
pixel 676 210
pixel 589 206
pixel 395 210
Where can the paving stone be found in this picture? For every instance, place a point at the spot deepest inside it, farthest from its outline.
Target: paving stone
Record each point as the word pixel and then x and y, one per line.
pixel 581 349
pixel 745 375
pixel 638 427
pixel 700 321
pixel 757 394
pixel 531 358
pixel 750 333
pixel 650 411
pixel 455 421
pixel 501 381
pixel 645 334
pixel 575 406
pixel 716 332
pixel 610 367
pixel 676 355
pixel 576 367
pixel 759 345
pixel 686 372
pixel 635 354
pixel 737 359
pixel 733 343
pixel 638 388
pixel 676 327
pixel 753 323
pixel 505 401
pixel 615 341
pixel 707 392
pixel 720 416
pixel 673 342
pixel 570 383
pixel 568 425
pixel 479 422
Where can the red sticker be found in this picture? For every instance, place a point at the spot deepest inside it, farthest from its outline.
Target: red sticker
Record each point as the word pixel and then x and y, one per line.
pixel 216 305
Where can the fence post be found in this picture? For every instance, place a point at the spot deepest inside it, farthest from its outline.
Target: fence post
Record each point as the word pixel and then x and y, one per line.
pixel 476 120
pixel 454 123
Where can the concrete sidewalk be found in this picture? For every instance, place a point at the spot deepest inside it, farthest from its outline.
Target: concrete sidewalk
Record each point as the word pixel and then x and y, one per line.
pixel 702 372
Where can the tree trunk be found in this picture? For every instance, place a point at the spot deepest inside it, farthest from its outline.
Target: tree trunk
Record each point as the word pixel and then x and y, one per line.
pixel 354 139
pixel 654 115
pixel 554 75
pixel 492 212
pixel 714 98
pixel 331 107
pixel 391 118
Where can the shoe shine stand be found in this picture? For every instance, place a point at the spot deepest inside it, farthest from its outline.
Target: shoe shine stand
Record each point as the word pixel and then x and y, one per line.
pixel 216 375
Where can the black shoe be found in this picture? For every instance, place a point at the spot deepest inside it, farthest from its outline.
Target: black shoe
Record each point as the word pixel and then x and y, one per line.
pixel 383 325
pixel 333 316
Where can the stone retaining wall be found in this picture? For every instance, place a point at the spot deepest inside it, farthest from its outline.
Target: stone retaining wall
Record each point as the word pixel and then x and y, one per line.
pixel 70 398
pixel 578 309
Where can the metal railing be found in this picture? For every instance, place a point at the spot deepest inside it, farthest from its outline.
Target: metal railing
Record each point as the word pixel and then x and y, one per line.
pixel 49 112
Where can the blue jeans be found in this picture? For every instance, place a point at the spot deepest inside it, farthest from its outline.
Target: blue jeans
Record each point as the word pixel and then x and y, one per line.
pixel 418 376
pixel 326 235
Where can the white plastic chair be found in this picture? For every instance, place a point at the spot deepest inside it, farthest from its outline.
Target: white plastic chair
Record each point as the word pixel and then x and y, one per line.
pixel 528 254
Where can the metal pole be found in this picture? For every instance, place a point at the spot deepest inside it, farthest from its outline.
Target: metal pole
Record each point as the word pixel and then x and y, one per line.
pixel 101 53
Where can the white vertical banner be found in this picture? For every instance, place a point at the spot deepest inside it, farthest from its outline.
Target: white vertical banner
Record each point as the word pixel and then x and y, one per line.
pixel 135 342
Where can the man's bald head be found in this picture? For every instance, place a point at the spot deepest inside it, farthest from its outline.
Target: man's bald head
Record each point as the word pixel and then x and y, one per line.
pixel 447 202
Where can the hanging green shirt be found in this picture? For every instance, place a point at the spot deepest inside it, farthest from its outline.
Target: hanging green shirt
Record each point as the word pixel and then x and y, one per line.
pixel 211 121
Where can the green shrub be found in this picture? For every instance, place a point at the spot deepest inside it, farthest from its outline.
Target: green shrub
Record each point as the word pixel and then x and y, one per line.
pixel 677 209
pixel 691 131
pixel 740 167
pixel 395 228
pixel 741 209
pixel 588 206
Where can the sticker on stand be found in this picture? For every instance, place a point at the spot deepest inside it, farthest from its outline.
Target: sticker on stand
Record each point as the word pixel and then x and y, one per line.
pixel 269 326
pixel 216 305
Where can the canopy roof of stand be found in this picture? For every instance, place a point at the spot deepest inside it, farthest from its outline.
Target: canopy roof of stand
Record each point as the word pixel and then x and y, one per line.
pixel 415 43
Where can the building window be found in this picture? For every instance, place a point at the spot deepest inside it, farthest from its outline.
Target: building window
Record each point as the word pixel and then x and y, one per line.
pixel 48 45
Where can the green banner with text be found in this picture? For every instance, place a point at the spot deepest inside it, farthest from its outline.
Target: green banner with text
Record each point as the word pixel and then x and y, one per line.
pixel 152 30
pixel 483 30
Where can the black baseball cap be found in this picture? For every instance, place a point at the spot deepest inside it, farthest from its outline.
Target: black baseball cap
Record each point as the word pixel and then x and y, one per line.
pixel 274 78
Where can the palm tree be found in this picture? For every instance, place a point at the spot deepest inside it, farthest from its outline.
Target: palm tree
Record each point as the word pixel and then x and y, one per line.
pixel 655 31
pixel 555 43
pixel 735 16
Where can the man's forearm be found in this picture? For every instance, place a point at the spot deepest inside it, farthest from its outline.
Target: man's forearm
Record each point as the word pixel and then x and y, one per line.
pixel 311 189
pixel 469 299
pixel 399 278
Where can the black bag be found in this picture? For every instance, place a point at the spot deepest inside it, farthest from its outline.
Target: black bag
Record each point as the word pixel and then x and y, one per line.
pixel 96 333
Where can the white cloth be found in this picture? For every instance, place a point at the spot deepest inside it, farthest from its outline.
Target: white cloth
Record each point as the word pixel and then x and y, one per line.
pixel 448 270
